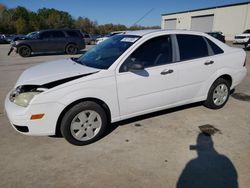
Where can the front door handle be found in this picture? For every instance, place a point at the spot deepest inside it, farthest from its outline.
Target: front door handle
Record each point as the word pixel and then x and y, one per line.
pixel 169 71
pixel 209 63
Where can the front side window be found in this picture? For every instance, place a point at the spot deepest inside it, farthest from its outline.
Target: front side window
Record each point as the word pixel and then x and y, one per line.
pixel 191 47
pixel 58 34
pixel 154 52
pixel 103 55
pixel 46 35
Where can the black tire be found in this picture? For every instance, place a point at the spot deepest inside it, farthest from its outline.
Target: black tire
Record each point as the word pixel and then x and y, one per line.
pixel 71 49
pixel 210 103
pixel 72 113
pixel 24 51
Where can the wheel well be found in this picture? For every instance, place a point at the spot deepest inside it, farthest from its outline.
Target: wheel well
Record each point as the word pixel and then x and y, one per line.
pixel 98 101
pixel 69 44
pixel 24 45
pixel 227 78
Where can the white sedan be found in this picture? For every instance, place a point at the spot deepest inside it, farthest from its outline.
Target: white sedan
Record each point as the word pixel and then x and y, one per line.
pixel 127 75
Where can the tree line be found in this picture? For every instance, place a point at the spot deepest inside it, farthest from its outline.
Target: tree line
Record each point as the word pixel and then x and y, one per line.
pixel 19 20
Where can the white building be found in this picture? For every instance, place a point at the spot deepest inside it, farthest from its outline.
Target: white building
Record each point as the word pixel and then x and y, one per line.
pixel 230 19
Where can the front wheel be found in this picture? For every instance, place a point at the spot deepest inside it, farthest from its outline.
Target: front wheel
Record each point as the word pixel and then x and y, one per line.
pixel 71 49
pixel 84 123
pixel 24 51
pixel 218 94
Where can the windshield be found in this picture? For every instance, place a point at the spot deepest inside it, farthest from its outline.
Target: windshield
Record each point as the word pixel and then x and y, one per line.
pixel 247 31
pixel 31 35
pixel 106 53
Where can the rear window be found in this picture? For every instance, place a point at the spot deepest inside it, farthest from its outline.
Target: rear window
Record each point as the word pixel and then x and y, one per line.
pixel 72 33
pixel 192 47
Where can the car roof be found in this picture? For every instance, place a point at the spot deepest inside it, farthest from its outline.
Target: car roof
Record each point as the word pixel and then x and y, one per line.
pixel 65 29
pixel 158 31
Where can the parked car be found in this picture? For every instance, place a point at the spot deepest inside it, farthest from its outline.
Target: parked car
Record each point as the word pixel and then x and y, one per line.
pixel 87 38
pixel 101 39
pixel 12 37
pixel 218 35
pixel 51 40
pixel 2 40
pixel 127 75
pixel 243 39
pixel 94 37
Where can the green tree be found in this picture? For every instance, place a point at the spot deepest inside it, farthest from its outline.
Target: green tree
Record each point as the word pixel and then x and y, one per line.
pixel 21 26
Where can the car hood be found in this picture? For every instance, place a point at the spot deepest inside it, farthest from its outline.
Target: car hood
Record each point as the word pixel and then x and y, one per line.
pixel 53 71
pixel 243 35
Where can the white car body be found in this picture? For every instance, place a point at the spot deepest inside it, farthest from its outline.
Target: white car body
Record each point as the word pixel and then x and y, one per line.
pixel 125 94
pixel 242 38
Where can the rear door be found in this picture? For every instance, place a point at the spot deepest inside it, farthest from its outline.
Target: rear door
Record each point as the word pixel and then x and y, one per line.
pixel 58 41
pixel 197 65
pixel 155 86
pixel 44 42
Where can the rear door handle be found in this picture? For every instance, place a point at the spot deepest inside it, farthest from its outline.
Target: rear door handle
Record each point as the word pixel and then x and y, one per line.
pixel 169 71
pixel 209 63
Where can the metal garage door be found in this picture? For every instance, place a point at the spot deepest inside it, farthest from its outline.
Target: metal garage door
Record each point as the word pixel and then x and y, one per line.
pixel 202 23
pixel 170 24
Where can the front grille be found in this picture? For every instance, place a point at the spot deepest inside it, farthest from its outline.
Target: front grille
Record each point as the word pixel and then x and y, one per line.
pixel 240 37
pixel 23 129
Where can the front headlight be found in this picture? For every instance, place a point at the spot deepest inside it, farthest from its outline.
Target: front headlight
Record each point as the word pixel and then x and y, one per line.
pixel 22 95
pixel 24 99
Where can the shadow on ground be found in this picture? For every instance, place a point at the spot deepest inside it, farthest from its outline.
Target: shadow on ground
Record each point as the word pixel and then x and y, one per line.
pixel 210 169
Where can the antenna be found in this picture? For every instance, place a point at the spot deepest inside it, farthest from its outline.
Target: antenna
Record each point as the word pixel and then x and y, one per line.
pixel 147 13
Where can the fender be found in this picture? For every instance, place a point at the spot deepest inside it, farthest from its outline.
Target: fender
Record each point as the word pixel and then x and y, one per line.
pixel 206 86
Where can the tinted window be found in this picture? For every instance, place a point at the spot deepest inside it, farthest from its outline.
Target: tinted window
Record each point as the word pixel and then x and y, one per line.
pixel 46 35
pixel 192 47
pixel 72 33
pixel 247 31
pixel 86 36
pixel 216 49
pixel 58 34
pixel 156 51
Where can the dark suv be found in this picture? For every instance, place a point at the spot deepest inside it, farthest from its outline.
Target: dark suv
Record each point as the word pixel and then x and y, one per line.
pixel 52 40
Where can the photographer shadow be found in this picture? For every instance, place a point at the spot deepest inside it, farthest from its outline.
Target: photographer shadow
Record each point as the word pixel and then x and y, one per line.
pixel 210 169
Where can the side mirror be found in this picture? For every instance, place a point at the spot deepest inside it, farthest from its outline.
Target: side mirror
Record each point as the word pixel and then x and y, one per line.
pixel 136 66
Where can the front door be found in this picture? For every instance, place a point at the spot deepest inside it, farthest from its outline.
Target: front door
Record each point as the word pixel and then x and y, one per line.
pixel 153 87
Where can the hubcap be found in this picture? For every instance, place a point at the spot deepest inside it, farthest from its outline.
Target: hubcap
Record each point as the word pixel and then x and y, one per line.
pixel 72 49
pixel 25 51
pixel 86 125
pixel 220 94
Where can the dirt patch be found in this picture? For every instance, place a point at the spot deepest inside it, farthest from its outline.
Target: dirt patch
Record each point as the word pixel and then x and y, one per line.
pixel 209 129
pixel 137 125
pixel 241 97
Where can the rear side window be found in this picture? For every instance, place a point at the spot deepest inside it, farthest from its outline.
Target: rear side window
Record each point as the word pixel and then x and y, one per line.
pixel 72 33
pixel 216 49
pixel 192 47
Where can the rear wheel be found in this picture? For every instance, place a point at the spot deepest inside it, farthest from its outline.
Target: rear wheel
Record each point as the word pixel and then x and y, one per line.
pixel 71 49
pixel 84 123
pixel 24 51
pixel 218 94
